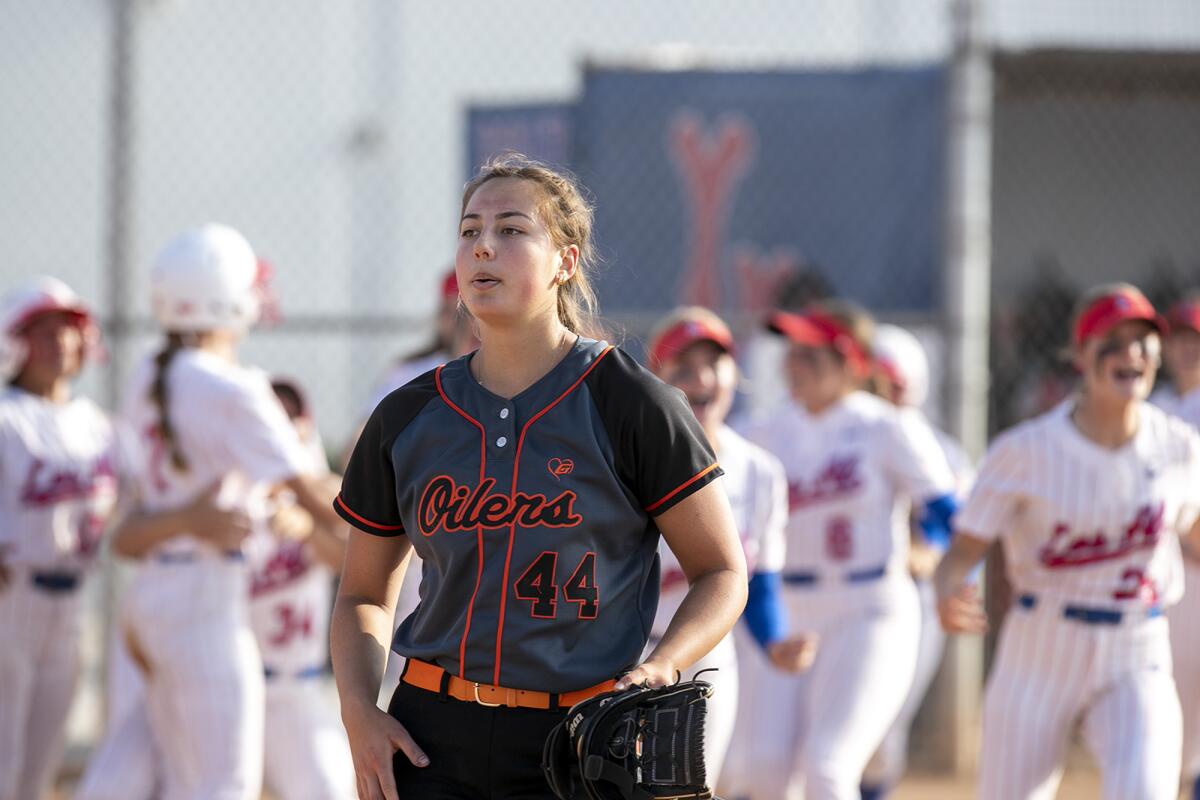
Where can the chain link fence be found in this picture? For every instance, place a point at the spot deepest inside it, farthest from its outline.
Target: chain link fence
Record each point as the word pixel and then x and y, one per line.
pixel 741 156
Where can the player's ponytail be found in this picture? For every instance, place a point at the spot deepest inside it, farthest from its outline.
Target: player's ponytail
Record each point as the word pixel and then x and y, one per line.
pixel 568 215
pixel 159 396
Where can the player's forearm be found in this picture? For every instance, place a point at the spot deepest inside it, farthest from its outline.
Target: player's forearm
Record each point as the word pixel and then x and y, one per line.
pixel 711 608
pixel 360 634
pixel 328 545
pixel 957 564
pixel 140 532
pixel 316 497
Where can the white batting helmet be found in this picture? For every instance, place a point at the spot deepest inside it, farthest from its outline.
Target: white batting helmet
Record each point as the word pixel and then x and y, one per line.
pixel 899 354
pixel 20 306
pixel 204 279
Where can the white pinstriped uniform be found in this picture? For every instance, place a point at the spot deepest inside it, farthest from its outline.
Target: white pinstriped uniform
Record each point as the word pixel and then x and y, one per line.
pixel 58 485
pixel 887 766
pixel 757 494
pixel 850 470
pixel 306 754
pixel 187 605
pixel 1185 632
pixel 1085 527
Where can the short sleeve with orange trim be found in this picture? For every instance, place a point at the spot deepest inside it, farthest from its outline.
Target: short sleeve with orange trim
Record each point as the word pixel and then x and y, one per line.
pixel 662 453
pixel 368 496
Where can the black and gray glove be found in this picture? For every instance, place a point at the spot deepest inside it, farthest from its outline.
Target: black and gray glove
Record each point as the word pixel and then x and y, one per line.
pixel 636 744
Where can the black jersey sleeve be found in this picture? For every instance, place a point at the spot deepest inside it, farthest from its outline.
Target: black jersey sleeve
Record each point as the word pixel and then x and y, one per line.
pixel 662 453
pixel 368 499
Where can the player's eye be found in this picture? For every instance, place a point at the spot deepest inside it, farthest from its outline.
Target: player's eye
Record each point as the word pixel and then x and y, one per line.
pixel 467 233
pixel 508 230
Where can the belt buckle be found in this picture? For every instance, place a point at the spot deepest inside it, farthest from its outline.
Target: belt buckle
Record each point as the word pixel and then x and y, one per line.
pixel 479 700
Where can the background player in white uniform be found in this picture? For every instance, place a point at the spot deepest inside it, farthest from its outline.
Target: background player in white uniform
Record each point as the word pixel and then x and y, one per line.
pixel 206 422
pixel 58 485
pixel 1181 356
pixel 291 561
pixel 902 378
pixel 853 463
pixel 1089 500
pixel 692 349
pixel 306 754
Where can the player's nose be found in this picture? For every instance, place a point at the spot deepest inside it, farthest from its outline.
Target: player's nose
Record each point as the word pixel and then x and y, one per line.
pixel 483 247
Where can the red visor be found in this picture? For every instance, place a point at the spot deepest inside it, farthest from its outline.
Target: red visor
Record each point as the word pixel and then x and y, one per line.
pixel 815 329
pixel 79 314
pixel 450 286
pixel 1111 310
pixel 683 334
pixel 1184 315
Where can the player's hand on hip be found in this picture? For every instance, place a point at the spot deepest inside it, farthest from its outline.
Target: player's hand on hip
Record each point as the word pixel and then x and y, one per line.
pixel 374 739
pixel 652 673
pixel 962 611
pixel 795 654
pixel 224 528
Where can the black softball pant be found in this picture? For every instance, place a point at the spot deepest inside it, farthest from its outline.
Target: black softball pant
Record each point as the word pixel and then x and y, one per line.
pixel 475 752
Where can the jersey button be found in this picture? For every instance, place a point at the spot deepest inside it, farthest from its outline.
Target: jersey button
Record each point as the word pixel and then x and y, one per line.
pixel 503 440
pixel 504 413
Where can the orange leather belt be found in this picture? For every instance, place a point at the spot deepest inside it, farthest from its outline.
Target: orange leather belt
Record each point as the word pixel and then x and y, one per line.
pixel 433 678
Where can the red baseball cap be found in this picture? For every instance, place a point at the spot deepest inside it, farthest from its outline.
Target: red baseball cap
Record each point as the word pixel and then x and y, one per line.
pixel 1112 309
pixel 681 335
pixel 1184 314
pixel 816 329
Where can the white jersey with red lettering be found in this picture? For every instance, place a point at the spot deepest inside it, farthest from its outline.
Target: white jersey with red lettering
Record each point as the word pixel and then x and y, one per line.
pixel 186 609
pixel 1092 548
pixel 757 494
pixel 1185 633
pixel 59 470
pixel 853 473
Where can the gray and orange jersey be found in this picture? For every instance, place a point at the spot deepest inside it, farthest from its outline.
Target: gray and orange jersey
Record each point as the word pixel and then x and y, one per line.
pixel 534 516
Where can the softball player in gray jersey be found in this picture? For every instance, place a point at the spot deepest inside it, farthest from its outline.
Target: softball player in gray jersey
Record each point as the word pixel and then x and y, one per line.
pixel 533 478
pixel 1090 500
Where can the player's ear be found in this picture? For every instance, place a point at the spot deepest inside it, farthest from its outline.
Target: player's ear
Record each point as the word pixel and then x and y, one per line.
pixel 568 263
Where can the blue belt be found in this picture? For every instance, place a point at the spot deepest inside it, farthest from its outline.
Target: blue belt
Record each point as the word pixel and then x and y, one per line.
pixel 813 578
pixel 56 581
pixel 314 671
pixel 1090 615
pixel 196 555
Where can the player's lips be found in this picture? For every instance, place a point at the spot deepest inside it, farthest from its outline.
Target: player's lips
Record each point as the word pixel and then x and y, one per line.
pixel 484 281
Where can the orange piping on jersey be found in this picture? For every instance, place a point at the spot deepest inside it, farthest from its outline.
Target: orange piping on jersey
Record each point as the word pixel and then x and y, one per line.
pixel 462 645
pixel 364 520
pixel 512 531
pixel 682 486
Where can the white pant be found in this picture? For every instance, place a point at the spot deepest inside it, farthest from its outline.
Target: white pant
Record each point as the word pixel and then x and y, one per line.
pixel 1184 620
pixel 887 766
pixel 307 754
pixel 204 693
pixel 815 732
pixel 39 672
pixel 1050 673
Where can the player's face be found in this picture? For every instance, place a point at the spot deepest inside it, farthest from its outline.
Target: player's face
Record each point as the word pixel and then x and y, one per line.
pixel 55 343
pixel 1121 365
pixel 507 263
pixel 707 375
pixel 817 376
pixel 1181 352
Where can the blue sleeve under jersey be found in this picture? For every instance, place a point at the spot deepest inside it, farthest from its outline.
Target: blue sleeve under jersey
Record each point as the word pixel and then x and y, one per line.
pixel 764 614
pixel 935 520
